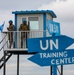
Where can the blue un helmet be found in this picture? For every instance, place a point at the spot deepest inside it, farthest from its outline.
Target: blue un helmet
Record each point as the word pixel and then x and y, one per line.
pixel 10 21
pixel 24 21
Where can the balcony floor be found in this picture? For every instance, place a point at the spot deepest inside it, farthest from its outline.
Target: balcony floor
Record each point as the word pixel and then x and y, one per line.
pixel 19 51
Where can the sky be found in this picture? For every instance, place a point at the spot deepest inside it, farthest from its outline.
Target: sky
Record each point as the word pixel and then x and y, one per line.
pixel 64 9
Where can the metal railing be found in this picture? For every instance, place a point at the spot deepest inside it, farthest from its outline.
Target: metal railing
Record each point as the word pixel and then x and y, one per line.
pixel 3 42
pixel 18 39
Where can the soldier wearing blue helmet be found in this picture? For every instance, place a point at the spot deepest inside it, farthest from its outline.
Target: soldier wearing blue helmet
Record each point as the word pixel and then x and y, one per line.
pixel 24 27
pixel 24 21
pixel 10 33
pixel 10 21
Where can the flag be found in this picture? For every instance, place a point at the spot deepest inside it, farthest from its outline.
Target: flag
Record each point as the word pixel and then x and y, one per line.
pixel 53 27
pixel 1 27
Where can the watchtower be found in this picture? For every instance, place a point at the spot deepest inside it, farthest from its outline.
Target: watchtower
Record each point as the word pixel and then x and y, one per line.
pixel 37 20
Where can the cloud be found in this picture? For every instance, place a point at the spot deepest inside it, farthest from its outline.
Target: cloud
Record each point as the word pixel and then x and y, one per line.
pixel 65 14
pixel 64 10
pixel 69 72
pixel 21 4
pixel 62 0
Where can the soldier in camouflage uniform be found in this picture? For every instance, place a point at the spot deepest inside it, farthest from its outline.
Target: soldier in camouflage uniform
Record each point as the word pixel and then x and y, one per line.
pixel 10 33
pixel 24 35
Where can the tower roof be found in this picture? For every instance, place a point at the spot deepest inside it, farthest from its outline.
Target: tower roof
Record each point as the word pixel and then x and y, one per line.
pixel 35 12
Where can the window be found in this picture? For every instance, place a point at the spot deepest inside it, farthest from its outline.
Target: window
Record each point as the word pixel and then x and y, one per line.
pixel 33 23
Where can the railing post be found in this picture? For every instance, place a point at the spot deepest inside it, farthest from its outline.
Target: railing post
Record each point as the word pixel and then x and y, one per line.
pixel 50 70
pixel 61 69
pixel 4 72
pixel 18 64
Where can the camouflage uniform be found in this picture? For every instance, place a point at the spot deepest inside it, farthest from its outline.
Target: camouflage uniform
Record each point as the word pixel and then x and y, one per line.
pixel 23 27
pixel 10 34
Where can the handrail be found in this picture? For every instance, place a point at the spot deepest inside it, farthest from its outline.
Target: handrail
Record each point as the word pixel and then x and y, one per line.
pixel 27 31
pixel 3 45
pixel 3 39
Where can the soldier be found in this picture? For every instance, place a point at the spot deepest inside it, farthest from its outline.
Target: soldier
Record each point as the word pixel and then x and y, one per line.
pixel 10 33
pixel 24 35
